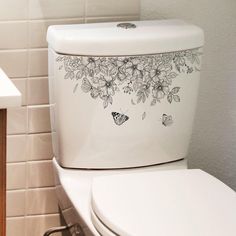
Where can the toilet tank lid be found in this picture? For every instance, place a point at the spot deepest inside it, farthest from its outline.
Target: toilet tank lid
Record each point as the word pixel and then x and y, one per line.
pixel 107 39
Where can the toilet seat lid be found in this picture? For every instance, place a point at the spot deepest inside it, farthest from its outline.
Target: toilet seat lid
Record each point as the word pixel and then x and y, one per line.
pixel 179 203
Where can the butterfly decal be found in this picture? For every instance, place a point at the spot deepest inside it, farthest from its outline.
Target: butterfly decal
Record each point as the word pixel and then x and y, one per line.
pixel 86 85
pixel 119 118
pixel 167 120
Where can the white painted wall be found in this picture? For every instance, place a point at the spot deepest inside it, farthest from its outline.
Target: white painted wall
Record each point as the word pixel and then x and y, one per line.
pixel 213 146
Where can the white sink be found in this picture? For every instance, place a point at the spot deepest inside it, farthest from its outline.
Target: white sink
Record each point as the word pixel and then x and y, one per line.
pixel 10 96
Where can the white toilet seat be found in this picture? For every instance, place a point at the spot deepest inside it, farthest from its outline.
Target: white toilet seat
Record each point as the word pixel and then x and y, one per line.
pixel 73 189
pixel 77 186
pixel 173 203
pixel 101 228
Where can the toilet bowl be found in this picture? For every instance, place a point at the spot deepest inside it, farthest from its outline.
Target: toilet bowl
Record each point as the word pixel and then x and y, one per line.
pixel 122 103
pixel 74 187
pixel 160 200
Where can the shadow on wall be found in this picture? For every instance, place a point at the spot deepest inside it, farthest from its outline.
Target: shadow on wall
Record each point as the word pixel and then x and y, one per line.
pixel 214 136
pixel 65 233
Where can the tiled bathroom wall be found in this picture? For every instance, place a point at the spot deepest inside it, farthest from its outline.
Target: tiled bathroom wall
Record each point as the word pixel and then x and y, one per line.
pixel 31 201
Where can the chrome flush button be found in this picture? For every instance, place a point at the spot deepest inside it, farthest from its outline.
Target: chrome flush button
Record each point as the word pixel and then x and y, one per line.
pixel 126 25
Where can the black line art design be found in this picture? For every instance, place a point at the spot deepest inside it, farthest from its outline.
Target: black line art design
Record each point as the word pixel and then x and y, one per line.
pixel 145 78
pixel 167 120
pixel 119 118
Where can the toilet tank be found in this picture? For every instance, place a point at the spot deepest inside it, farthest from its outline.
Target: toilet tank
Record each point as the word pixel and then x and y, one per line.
pixel 123 94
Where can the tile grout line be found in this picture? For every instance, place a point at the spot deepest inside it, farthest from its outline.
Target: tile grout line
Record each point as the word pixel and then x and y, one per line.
pixel 27 139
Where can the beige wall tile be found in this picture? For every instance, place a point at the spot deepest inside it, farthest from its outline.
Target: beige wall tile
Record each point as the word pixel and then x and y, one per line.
pixel 37 91
pixel 16 226
pixel 39 119
pixel 17 120
pixel 41 201
pixel 13 9
pixel 45 9
pixel 16 148
pixel 40 147
pixel 21 85
pixel 37 225
pixel 16 176
pixel 16 203
pixel 38 62
pixel 111 19
pixel 112 7
pixel 13 34
pixel 38 30
pixel 14 62
pixel 40 174
pixel 23 55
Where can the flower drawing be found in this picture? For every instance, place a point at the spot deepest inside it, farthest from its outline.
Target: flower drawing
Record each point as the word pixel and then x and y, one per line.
pixel 144 78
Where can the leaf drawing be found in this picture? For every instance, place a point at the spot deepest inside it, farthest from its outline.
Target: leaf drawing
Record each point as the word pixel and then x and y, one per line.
pixel 144 77
pixel 143 115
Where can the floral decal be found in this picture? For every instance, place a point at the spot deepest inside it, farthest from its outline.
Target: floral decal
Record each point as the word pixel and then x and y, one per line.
pixel 146 78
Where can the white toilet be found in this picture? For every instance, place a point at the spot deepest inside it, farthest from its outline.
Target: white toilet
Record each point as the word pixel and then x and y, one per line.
pixel 122 102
